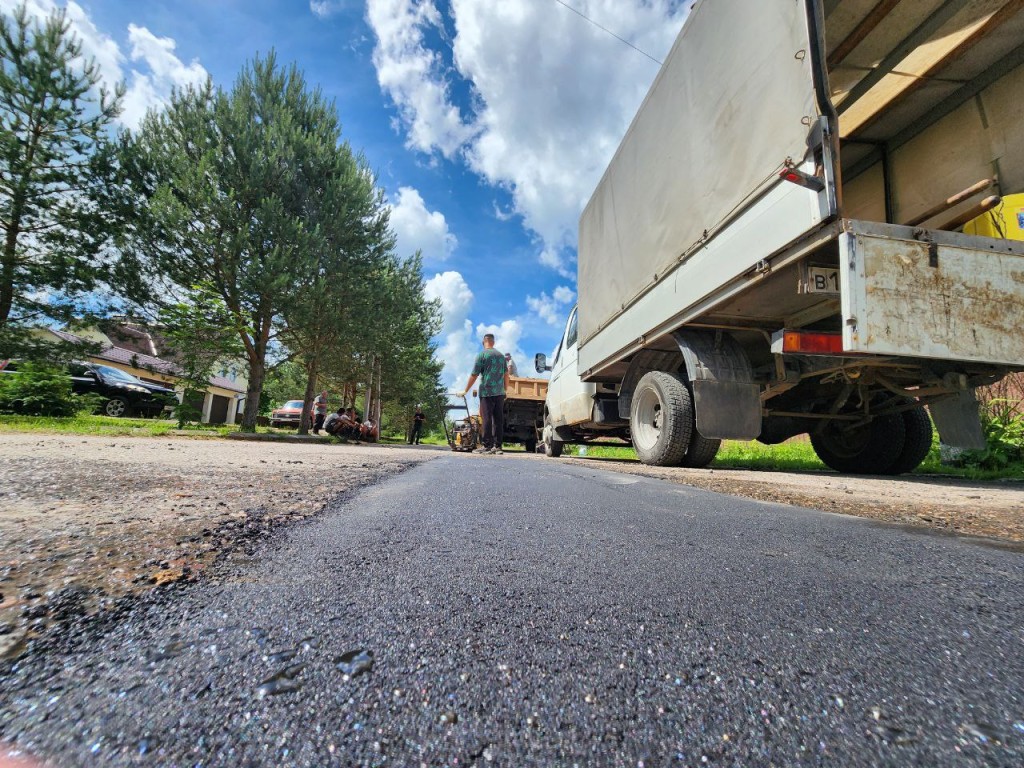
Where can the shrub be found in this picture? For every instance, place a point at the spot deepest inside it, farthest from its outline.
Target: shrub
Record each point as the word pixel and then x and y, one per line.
pixel 1002 420
pixel 38 390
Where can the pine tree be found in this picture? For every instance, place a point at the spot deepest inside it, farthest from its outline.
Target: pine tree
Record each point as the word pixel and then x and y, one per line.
pixel 226 180
pixel 55 166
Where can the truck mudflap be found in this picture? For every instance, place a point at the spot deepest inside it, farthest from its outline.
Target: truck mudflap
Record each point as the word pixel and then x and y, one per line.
pixel 931 294
pixel 957 420
pixel 726 400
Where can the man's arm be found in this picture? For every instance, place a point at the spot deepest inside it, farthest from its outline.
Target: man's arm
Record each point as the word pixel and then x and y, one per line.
pixel 469 385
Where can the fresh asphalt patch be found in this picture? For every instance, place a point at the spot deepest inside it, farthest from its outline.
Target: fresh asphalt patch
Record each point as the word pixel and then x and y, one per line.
pixel 505 611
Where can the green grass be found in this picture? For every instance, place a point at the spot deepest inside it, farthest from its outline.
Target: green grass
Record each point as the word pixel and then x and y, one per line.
pixel 798 456
pixel 107 425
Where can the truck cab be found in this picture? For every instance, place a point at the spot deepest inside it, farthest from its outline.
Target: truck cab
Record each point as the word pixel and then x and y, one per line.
pixel 576 411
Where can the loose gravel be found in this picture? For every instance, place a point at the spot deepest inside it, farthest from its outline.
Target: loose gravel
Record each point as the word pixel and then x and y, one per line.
pixel 87 520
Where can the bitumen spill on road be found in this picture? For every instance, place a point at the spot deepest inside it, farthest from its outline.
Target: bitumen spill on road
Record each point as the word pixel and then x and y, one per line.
pixel 512 611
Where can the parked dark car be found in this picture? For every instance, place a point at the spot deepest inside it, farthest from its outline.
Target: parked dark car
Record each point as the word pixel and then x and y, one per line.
pixel 122 393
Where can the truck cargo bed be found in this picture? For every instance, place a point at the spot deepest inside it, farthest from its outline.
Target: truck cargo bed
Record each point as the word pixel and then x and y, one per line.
pixel 840 133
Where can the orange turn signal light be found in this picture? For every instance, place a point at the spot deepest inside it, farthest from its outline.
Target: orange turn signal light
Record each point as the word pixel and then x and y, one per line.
pixel 812 343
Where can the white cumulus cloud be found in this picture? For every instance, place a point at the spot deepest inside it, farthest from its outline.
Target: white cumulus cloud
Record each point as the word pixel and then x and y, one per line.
pixel 150 86
pixel 456 298
pixel 507 335
pixel 563 294
pixel 551 309
pixel 155 68
pixel 459 339
pixel 420 229
pixel 551 94
pixel 414 76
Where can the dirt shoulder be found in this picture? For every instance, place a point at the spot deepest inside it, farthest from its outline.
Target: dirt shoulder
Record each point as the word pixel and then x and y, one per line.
pixel 85 520
pixel 990 508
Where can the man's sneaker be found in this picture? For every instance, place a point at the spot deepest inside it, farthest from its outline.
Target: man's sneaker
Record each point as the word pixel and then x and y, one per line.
pixel 483 449
pixel 497 451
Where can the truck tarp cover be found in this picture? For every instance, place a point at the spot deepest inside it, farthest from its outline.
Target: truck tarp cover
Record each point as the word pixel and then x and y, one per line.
pixel 730 104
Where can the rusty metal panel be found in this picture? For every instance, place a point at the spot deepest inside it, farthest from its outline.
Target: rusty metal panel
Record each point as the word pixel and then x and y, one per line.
pixel 955 298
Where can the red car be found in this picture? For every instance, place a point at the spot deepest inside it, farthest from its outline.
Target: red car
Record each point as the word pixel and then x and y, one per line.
pixel 288 415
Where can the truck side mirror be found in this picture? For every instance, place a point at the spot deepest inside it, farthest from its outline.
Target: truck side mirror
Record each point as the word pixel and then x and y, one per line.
pixel 540 362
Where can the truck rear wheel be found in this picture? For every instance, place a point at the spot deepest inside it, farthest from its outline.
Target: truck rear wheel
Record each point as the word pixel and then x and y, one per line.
pixel 702 451
pixel 660 419
pixel 867 449
pixel 917 441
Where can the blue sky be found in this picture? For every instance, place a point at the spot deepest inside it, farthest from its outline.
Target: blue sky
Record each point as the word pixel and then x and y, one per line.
pixel 488 122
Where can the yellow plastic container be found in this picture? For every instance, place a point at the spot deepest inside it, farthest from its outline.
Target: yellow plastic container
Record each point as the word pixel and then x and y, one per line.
pixel 1005 221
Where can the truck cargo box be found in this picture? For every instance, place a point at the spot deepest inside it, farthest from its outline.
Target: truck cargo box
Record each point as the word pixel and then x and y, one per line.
pixel 776 134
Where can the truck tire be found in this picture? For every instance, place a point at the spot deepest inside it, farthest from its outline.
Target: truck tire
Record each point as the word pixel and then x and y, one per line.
pixel 702 450
pixel 917 441
pixel 552 447
pixel 530 446
pixel 870 449
pixel 660 419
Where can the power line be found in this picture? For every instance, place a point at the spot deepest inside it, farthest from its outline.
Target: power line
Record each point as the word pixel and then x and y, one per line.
pixel 605 29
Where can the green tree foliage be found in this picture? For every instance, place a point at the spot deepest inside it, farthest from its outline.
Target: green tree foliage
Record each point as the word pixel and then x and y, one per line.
pixel 203 334
pixel 227 180
pixel 253 192
pixel 334 306
pixel 38 390
pixel 409 371
pixel 284 382
pixel 55 168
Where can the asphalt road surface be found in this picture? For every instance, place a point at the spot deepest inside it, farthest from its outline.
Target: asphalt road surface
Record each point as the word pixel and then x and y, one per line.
pixel 515 611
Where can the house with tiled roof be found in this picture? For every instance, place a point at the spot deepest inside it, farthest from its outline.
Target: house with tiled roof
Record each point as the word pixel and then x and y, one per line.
pixel 131 348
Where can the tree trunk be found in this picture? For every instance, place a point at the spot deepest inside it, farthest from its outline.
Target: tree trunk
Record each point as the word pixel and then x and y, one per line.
pixel 369 393
pixel 257 372
pixel 380 395
pixel 307 402
pixel 257 353
pixel 9 267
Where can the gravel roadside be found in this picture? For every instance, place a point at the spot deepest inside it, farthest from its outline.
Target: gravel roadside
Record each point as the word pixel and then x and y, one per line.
pixel 87 520
pixel 975 508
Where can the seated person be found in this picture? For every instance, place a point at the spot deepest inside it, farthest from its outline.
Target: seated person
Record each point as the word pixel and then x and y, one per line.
pixel 348 424
pixel 369 431
pixel 333 422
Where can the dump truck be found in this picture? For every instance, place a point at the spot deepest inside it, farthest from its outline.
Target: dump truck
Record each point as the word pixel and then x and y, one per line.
pixel 777 246
pixel 524 411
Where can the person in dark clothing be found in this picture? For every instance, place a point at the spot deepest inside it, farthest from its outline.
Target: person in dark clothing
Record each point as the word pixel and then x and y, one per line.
pixel 417 426
pixel 492 369
pixel 332 424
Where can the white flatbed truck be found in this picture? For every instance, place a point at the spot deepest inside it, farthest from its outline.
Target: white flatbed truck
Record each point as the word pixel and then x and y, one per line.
pixel 775 248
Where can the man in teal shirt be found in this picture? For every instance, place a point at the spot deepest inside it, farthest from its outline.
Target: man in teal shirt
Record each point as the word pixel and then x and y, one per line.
pixel 490 366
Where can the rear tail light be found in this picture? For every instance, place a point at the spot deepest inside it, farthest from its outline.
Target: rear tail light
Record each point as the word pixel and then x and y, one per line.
pixel 807 343
pixel 798 177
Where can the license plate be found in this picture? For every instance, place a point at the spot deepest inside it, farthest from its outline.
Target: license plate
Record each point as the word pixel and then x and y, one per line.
pixel 822 280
